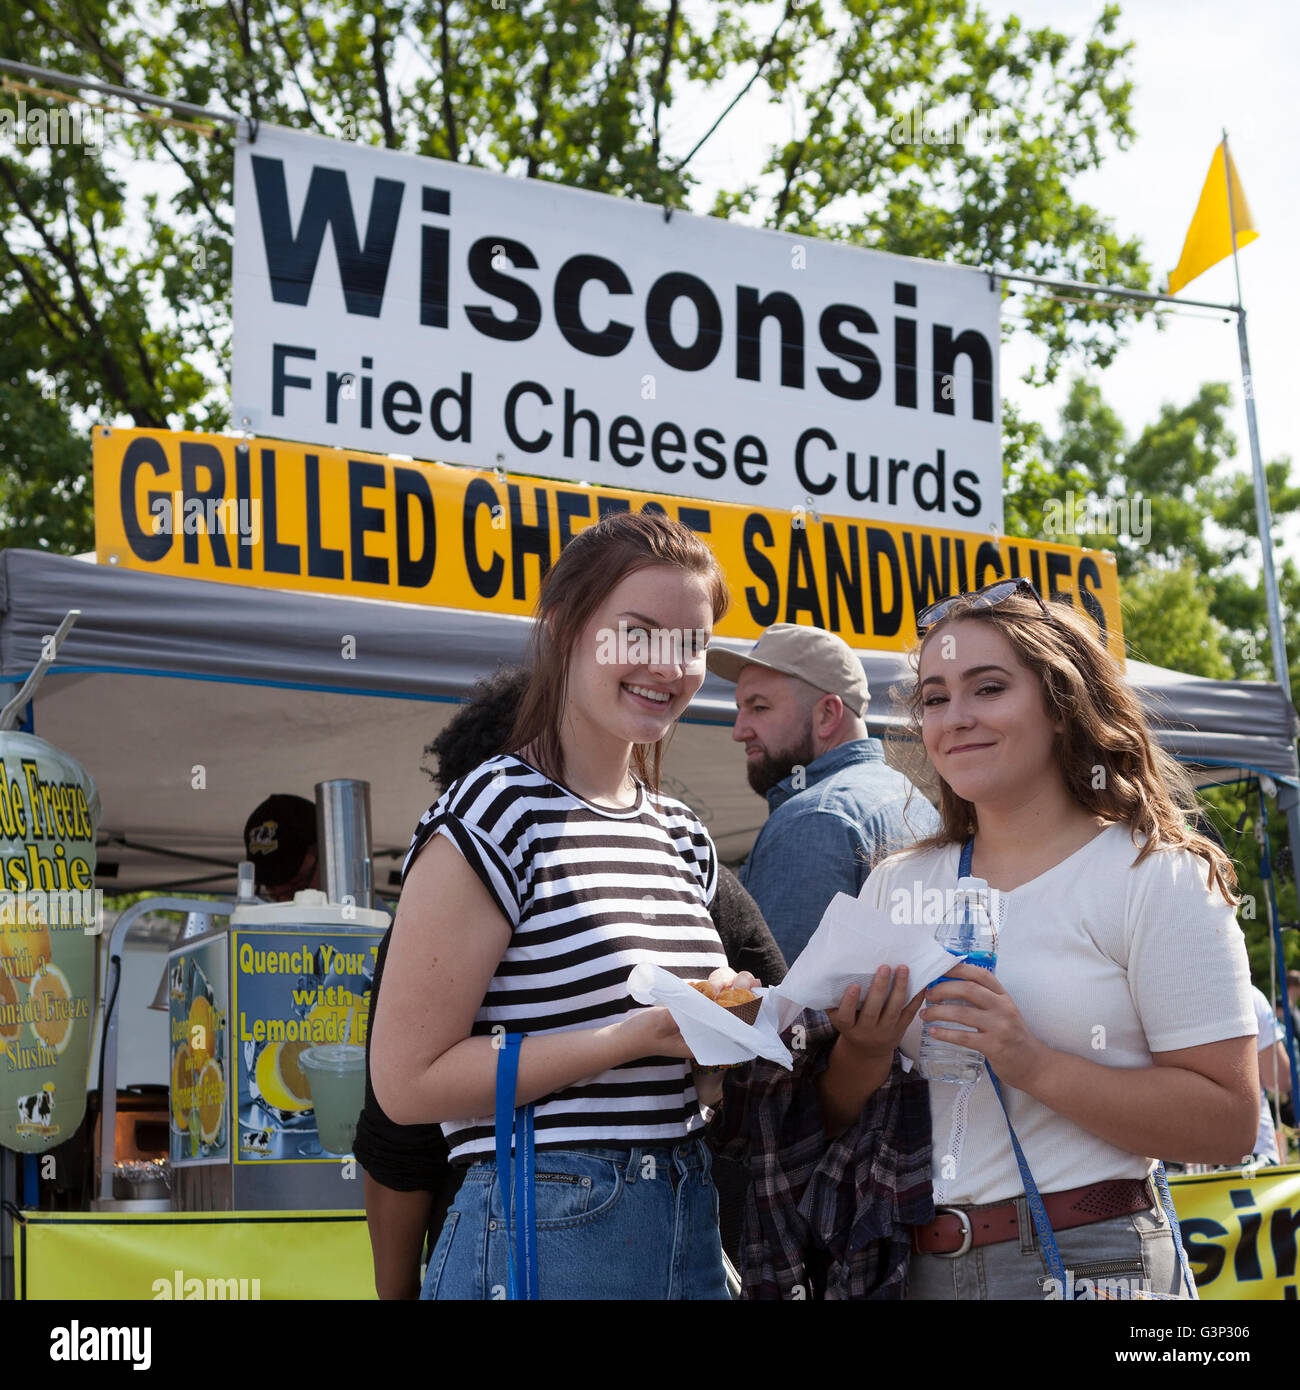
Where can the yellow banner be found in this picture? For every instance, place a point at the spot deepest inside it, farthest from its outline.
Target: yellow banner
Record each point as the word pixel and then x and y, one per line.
pixel 1240 1230
pixel 231 1256
pixel 273 514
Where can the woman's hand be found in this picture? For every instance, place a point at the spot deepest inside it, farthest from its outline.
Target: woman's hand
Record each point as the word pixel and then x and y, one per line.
pixel 1001 1034
pixel 651 1032
pixel 875 1029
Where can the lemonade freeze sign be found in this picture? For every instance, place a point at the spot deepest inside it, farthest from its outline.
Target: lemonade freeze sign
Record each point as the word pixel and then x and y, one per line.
pixel 49 916
pixel 197 994
pixel 293 991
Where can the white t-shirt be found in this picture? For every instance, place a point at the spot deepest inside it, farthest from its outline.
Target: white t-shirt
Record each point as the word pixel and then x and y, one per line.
pixel 1103 960
pixel 1270 1032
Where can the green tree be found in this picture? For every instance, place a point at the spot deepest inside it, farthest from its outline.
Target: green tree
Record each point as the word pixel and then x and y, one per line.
pixel 123 306
pixel 1184 505
pixel 1186 602
pixel 1168 622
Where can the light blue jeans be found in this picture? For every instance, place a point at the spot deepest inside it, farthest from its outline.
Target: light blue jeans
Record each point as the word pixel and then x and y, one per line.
pixel 611 1224
pixel 1137 1251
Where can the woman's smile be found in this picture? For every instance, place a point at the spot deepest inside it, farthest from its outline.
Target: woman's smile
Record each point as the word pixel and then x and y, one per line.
pixel 647 697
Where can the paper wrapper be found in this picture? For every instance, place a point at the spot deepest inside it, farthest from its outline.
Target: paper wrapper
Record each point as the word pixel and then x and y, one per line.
pixel 746 1013
pixel 852 941
pixel 716 1035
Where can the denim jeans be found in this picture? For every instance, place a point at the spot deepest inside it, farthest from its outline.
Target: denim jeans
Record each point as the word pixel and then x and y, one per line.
pixel 1136 1250
pixel 611 1224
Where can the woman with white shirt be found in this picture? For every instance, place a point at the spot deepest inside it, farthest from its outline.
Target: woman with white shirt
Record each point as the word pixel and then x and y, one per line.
pixel 1119 1021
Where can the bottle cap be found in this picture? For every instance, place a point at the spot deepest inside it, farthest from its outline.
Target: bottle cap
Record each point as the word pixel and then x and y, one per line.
pixel 972 885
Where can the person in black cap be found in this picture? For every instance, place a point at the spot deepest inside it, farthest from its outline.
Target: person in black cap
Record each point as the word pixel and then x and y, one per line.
pixel 280 839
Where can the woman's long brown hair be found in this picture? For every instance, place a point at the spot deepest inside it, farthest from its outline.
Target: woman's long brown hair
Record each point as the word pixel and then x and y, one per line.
pixel 1112 764
pixel 590 567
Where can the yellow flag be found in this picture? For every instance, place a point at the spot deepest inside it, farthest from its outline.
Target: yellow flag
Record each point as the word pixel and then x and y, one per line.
pixel 1209 238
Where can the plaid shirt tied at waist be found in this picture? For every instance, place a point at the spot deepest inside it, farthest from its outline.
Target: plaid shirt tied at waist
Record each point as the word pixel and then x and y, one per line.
pixel 849 1202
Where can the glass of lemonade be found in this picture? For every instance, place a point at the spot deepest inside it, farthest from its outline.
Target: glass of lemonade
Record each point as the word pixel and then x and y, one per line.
pixel 336 1075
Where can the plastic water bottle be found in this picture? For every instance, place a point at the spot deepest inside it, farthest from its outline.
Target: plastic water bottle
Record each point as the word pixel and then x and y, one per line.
pixel 966 930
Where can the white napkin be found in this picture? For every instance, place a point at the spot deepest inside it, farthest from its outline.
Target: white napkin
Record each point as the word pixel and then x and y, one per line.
pixel 853 940
pixel 714 1036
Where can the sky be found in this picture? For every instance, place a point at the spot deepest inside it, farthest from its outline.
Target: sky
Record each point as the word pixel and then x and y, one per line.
pixel 1198 66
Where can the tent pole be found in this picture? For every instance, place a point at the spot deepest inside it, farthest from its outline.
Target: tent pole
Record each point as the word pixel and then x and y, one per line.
pixel 1269 881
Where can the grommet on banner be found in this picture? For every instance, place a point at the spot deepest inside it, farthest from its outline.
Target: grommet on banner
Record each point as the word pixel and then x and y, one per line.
pixel 499 468
pixel 253 124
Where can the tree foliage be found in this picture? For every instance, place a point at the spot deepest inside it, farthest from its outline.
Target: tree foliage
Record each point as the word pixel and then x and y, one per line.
pixel 118 302
pixel 922 127
pixel 1186 603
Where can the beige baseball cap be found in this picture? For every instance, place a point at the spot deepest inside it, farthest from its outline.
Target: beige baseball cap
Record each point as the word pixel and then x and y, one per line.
pixel 812 654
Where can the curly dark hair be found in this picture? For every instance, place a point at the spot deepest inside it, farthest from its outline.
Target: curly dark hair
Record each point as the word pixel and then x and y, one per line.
pixel 480 730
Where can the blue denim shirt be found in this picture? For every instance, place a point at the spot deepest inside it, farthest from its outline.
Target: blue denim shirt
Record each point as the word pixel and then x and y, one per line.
pixel 822 835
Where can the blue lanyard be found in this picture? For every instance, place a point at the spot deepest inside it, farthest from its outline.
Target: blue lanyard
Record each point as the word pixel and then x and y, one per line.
pixel 521 1257
pixel 1035 1202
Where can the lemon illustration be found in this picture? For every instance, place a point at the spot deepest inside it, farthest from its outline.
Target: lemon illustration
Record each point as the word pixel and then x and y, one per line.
pixel 182 1086
pixel 51 1007
pixel 279 1077
pixel 212 1100
pixel 24 939
pixel 327 1022
pixel 10 1026
pixel 202 1031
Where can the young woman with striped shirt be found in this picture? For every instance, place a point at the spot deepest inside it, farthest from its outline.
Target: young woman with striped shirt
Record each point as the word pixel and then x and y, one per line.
pixel 531 889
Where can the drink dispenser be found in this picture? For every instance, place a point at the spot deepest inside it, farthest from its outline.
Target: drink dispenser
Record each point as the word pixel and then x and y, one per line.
pixel 267 1012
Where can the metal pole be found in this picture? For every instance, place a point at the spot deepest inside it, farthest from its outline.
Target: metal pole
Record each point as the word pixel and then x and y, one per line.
pixel 1113 291
pixel 1263 512
pixel 1289 803
pixel 130 93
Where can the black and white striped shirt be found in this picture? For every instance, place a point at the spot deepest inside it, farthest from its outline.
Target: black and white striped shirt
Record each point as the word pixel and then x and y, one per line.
pixel 589 892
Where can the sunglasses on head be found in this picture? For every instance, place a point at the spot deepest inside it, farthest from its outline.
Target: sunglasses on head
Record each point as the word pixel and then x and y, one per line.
pixel 987 597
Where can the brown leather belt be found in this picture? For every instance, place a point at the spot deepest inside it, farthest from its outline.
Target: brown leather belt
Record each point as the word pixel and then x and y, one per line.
pixel 960 1229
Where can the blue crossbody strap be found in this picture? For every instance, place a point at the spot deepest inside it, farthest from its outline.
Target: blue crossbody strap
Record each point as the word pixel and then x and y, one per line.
pixel 521 1255
pixel 964 868
pixel 967 852
pixel 1037 1210
pixel 1167 1201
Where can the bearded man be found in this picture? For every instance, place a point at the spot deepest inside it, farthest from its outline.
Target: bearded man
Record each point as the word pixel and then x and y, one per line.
pixel 835 806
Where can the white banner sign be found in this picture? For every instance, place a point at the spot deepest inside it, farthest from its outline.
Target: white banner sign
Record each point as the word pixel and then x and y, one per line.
pixel 399 304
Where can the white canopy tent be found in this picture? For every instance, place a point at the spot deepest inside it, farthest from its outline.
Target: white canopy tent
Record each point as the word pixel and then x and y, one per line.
pixel 188 702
